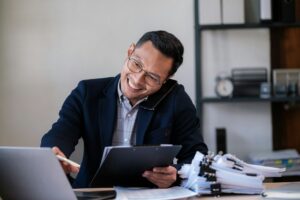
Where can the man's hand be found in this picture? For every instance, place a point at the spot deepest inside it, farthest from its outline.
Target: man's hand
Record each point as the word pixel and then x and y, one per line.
pixel 163 177
pixel 68 168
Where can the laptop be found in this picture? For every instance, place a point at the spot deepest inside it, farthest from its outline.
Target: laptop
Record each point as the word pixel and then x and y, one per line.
pixel 34 173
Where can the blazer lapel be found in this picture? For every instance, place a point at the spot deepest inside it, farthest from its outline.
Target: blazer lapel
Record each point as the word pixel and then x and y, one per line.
pixel 143 119
pixel 147 108
pixel 107 113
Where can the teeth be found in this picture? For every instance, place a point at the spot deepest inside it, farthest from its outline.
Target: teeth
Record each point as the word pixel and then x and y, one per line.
pixel 131 85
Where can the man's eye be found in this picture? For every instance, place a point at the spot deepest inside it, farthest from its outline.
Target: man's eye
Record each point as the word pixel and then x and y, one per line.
pixel 152 77
pixel 137 65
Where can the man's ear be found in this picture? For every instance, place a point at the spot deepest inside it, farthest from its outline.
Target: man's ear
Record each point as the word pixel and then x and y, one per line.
pixel 130 49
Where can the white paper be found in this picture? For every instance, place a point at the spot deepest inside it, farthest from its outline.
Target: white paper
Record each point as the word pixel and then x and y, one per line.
pixel 155 194
pixel 234 175
pixel 274 155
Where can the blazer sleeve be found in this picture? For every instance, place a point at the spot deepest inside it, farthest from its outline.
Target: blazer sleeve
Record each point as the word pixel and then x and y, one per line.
pixel 67 130
pixel 186 129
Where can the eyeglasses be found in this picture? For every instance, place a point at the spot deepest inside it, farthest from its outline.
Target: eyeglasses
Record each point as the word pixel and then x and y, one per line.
pixel 136 66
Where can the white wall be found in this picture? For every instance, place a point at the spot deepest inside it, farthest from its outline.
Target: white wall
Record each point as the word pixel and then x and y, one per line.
pixel 46 47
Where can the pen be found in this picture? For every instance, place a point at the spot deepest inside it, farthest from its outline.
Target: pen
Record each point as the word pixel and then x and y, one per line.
pixel 68 161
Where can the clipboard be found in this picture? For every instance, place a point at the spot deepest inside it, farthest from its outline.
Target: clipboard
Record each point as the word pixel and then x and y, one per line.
pixel 124 166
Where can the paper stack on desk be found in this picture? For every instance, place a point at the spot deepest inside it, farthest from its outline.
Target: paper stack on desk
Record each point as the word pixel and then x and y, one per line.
pixel 225 174
pixel 288 158
pixel 175 192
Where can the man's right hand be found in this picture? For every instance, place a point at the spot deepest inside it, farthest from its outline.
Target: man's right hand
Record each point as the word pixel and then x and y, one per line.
pixel 68 168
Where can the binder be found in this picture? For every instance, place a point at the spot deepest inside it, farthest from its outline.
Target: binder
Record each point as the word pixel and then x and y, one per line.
pixel 233 11
pixel 246 89
pixel 265 10
pixel 247 81
pixel 221 140
pixel 124 165
pixel 217 174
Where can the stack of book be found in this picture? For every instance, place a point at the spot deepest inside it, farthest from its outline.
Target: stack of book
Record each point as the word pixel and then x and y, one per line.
pixel 288 158
pixel 247 81
pixel 225 174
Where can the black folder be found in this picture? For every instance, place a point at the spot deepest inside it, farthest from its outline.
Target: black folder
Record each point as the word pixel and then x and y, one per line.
pixel 124 166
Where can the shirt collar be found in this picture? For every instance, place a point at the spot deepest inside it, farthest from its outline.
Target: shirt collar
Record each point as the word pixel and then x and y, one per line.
pixel 120 94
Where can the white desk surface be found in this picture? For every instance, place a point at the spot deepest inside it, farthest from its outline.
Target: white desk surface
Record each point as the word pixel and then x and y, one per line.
pixel 222 197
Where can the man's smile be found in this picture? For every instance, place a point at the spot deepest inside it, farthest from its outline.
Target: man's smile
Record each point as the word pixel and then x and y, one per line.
pixel 133 86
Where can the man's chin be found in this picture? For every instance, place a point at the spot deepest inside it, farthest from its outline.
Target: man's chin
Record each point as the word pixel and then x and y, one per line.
pixel 133 97
pixel 133 93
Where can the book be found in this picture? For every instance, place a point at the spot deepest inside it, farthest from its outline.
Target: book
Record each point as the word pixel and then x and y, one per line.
pixel 246 89
pixel 288 158
pixel 249 74
pixel 265 10
pixel 249 70
pixel 213 17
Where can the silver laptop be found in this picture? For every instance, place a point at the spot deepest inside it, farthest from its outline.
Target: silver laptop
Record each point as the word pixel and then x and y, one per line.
pixel 32 173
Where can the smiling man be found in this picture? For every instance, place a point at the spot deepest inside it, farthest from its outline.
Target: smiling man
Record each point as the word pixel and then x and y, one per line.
pixel 141 106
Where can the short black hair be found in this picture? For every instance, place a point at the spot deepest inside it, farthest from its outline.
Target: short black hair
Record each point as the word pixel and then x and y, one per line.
pixel 167 44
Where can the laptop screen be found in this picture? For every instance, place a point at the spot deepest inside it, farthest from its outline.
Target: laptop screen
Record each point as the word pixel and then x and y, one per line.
pixel 32 173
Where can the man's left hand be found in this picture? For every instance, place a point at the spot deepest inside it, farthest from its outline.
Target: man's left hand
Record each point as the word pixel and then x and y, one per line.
pixel 163 177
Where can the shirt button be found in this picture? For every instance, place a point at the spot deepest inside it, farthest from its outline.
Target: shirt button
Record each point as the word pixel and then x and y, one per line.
pixel 125 140
pixel 129 115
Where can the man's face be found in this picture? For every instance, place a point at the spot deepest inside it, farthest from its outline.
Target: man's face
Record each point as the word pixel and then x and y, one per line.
pixel 153 67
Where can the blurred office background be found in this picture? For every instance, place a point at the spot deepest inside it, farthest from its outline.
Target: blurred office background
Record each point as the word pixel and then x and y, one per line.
pixel 47 47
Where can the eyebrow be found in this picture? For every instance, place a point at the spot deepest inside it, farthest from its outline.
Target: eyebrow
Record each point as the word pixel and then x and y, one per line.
pixel 139 59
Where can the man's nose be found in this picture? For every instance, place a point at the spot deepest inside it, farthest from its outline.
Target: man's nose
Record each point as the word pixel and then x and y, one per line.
pixel 139 77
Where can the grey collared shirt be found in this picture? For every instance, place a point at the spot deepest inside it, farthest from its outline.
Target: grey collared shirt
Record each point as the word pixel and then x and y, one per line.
pixel 125 130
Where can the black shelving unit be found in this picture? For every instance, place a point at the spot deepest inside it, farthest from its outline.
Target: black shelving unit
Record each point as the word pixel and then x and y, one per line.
pixel 247 26
pixel 200 100
pixel 249 99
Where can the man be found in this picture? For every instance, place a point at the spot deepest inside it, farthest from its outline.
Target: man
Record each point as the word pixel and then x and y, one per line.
pixel 140 106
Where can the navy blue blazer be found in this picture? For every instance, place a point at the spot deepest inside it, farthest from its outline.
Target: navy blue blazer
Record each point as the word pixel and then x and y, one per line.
pixel 89 112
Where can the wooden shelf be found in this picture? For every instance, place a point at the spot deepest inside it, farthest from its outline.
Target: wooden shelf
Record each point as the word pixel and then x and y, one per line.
pixel 249 99
pixel 248 26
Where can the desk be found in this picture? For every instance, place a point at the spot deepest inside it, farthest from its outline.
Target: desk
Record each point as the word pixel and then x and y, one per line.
pixel 224 197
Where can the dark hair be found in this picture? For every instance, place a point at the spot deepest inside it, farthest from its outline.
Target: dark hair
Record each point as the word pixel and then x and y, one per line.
pixel 167 44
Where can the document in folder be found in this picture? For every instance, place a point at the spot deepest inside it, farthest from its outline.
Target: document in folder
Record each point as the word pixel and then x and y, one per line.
pixel 124 166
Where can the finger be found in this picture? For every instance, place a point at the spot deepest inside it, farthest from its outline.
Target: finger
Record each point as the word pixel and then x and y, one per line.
pixel 159 179
pixel 57 151
pixel 66 166
pixel 160 183
pixel 73 169
pixel 165 170
pixel 159 176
